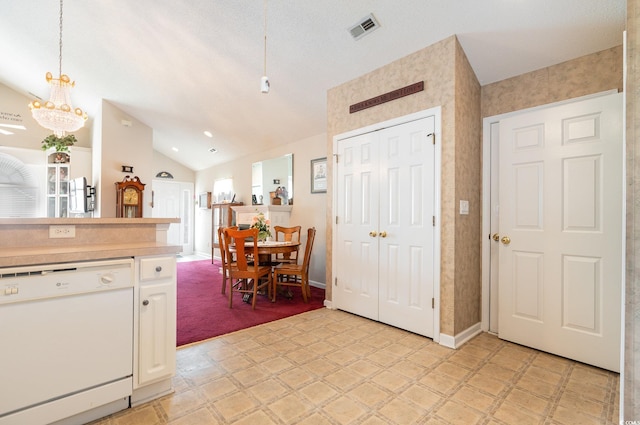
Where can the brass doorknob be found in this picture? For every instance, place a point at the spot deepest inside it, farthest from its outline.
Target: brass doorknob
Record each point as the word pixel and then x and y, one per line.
pixel 496 237
pixel 505 240
pixel 373 233
pixel 383 234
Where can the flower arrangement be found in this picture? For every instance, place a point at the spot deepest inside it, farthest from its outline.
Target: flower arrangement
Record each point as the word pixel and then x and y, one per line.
pixel 259 222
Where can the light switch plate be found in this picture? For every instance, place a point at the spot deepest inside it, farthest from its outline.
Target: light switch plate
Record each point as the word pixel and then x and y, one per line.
pixel 464 207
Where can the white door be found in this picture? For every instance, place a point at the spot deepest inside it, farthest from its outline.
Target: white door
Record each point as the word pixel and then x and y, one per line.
pixel 175 200
pixel 356 288
pixel 560 193
pixel 385 229
pixel 406 226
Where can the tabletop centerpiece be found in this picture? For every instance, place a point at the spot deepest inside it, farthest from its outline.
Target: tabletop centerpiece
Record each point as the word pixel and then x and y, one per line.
pixel 262 224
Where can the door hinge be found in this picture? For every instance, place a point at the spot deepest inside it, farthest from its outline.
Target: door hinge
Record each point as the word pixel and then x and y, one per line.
pixel 433 303
pixel 336 219
pixel 434 221
pixel 335 281
pixel 336 157
pixel 433 138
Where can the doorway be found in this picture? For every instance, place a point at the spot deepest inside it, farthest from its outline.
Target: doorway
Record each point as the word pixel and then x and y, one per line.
pixel 173 199
pixel 553 228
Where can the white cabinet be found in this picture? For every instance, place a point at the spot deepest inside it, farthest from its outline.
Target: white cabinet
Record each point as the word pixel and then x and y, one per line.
pixel 156 331
pixel 58 189
pixel 59 172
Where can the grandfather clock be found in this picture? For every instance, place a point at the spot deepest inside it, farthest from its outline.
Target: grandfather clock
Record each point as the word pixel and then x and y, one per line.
pixel 129 197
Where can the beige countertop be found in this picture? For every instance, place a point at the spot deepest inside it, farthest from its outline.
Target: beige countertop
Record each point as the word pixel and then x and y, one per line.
pixel 28 241
pixel 86 221
pixel 65 254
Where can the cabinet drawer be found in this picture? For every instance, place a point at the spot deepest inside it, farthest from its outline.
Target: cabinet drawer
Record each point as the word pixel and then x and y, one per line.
pixel 157 268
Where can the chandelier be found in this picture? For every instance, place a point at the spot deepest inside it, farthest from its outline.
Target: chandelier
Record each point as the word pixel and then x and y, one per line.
pixel 57 114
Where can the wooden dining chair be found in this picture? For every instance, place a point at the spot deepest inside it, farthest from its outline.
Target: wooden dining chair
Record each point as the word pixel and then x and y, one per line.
pixel 245 276
pixel 296 274
pixel 287 234
pixel 222 241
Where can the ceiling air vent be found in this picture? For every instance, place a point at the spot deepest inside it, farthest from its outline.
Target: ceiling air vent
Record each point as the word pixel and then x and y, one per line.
pixel 365 26
pixel 213 150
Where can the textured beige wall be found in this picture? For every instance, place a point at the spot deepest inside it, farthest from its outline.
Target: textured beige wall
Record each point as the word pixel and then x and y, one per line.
pixel 631 400
pixel 468 186
pixel 436 65
pixel 451 84
pixel 585 75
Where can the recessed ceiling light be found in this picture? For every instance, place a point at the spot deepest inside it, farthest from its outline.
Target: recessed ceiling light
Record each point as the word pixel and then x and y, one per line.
pixel 208 133
pixel 175 149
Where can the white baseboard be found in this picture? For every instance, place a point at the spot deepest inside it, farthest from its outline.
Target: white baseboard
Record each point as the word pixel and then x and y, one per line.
pixel 464 336
pixel 317 284
pixel 327 303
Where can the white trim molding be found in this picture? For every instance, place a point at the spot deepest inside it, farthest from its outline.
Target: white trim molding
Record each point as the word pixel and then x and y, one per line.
pixel 464 336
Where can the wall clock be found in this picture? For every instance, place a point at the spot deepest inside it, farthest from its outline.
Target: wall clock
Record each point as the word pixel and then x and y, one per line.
pixel 129 197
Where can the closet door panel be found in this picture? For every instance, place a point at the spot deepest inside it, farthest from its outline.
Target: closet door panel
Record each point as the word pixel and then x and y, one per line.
pixel 406 187
pixel 356 287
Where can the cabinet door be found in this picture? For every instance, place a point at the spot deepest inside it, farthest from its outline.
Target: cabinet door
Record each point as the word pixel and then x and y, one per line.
pixel 157 332
pixel 57 190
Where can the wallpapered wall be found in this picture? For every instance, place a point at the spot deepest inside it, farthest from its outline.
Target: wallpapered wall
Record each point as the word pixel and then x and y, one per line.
pixel 451 84
pixel 631 396
pixel 445 71
pixel 585 75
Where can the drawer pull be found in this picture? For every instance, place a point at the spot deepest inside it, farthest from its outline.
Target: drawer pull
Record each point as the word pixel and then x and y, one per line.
pixel 158 268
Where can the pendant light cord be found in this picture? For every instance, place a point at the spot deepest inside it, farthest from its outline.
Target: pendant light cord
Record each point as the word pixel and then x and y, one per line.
pixel 265 37
pixel 60 45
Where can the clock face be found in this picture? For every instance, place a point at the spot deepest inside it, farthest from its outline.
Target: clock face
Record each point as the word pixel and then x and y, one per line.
pixel 130 196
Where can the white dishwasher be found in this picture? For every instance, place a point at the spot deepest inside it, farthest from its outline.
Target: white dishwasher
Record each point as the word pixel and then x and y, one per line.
pixel 66 347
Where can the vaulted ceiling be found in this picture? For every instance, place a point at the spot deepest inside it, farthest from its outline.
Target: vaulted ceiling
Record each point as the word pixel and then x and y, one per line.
pixel 186 66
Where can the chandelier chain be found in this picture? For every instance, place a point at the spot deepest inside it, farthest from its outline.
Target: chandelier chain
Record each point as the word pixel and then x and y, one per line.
pixel 60 44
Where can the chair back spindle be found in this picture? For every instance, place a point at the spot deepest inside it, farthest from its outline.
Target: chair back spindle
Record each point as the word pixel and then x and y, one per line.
pixel 283 273
pixel 246 274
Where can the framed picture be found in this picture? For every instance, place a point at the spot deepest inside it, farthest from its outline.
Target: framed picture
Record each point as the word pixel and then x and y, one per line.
pixel 204 200
pixel 319 175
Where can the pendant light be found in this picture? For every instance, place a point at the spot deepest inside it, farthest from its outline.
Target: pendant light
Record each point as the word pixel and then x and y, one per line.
pixel 57 114
pixel 264 81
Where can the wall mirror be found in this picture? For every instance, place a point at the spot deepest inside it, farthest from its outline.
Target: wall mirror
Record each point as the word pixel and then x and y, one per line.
pixel 272 181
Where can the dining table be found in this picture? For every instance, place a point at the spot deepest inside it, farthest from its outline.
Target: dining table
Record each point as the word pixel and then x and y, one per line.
pixel 266 251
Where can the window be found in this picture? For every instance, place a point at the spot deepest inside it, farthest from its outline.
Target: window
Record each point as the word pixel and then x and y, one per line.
pixel 223 190
pixel 18 189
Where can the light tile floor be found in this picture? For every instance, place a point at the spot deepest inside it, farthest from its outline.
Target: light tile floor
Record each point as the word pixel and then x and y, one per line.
pixel 332 367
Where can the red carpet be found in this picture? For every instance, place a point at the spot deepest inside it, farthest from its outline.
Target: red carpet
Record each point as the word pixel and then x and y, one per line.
pixel 203 312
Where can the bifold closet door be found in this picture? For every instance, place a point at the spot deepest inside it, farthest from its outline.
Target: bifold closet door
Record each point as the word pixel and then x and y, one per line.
pixel 406 226
pixel 385 225
pixel 356 287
